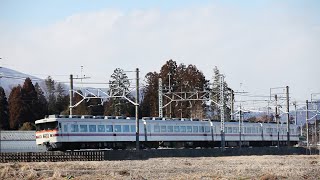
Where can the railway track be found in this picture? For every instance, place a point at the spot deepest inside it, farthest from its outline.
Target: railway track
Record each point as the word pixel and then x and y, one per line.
pixel 101 155
pixel 52 156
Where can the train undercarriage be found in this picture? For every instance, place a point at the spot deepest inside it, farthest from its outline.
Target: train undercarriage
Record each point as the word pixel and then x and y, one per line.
pixel 64 146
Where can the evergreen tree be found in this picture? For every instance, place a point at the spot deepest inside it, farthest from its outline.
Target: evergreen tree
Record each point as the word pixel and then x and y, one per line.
pixel 82 108
pixel 215 110
pixel 31 102
pixel 149 104
pixel 15 108
pixel 169 71
pixel 50 94
pixel 62 99
pixel 43 104
pixel 95 107
pixel 4 111
pixel 119 86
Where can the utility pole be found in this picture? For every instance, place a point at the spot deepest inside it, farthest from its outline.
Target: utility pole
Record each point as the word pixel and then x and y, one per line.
pixel 277 120
pixel 296 115
pixel 232 105
pixel 240 127
pixel 170 106
pixel 288 117
pixel 137 110
pixel 71 93
pixel 160 98
pixel 222 112
pixel 307 122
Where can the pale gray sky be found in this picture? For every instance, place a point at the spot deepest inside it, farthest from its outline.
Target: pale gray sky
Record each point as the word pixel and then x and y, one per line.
pixel 261 45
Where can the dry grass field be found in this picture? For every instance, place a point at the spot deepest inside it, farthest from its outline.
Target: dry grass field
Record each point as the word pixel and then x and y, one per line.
pixel 235 167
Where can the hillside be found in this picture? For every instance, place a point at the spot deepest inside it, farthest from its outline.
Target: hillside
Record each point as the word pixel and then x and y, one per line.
pixel 10 78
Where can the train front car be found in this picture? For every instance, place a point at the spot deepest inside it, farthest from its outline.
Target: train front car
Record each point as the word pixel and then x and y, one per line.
pixel 47 133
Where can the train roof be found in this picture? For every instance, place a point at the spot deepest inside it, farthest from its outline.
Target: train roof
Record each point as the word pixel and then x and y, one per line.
pixel 54 118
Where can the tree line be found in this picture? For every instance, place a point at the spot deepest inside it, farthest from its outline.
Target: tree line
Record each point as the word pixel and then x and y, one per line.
pixel 30 102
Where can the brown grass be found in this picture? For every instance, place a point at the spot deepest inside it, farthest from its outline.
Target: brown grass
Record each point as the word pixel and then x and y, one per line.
pixel 235 167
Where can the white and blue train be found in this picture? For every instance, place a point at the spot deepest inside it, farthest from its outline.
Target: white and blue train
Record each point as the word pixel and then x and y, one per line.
pixel 59 132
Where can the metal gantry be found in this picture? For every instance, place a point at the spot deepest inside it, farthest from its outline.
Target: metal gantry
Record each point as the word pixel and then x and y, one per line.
pixel 118 89
pixel 205 95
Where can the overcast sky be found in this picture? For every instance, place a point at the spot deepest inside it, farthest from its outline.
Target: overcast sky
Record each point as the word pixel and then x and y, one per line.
pixel 259 44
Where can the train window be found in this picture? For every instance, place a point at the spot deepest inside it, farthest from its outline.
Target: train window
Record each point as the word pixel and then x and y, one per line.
pixel 195 129
pixel 176 129
pixel 254 130
pixel 148 128
pixel 65 128
pixel 126 128
pixel 109 128
pixel 249 130
pixel 92 128
pixel 101 128
pixel 133 128
pixel 117 128
pixel 189 128
pixel 83 128
pixel 182 129
pixel 275 130
pixel 156 128
pixel 229 129
pixel 163 128
pixel 170 128
pixel 235 130
pixel 74 128
pixel 201 129
pixel 207 129
pixel 269 130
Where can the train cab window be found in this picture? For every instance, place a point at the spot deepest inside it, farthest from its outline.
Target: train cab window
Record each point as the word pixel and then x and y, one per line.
pixel 176 129
pixel 170 128
pixel 126 128
pixel 65 128
pixel 92 128
pixel 117 128
pixel 74 128
pixel 47 126
pixel 201 129
pixel 133 128
pixel 156 128
pixel 101 128
pixel 83 128
pixel 183 129
pixel 163 128
pixel 195 129
pixel 109 128
pixel 189 128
